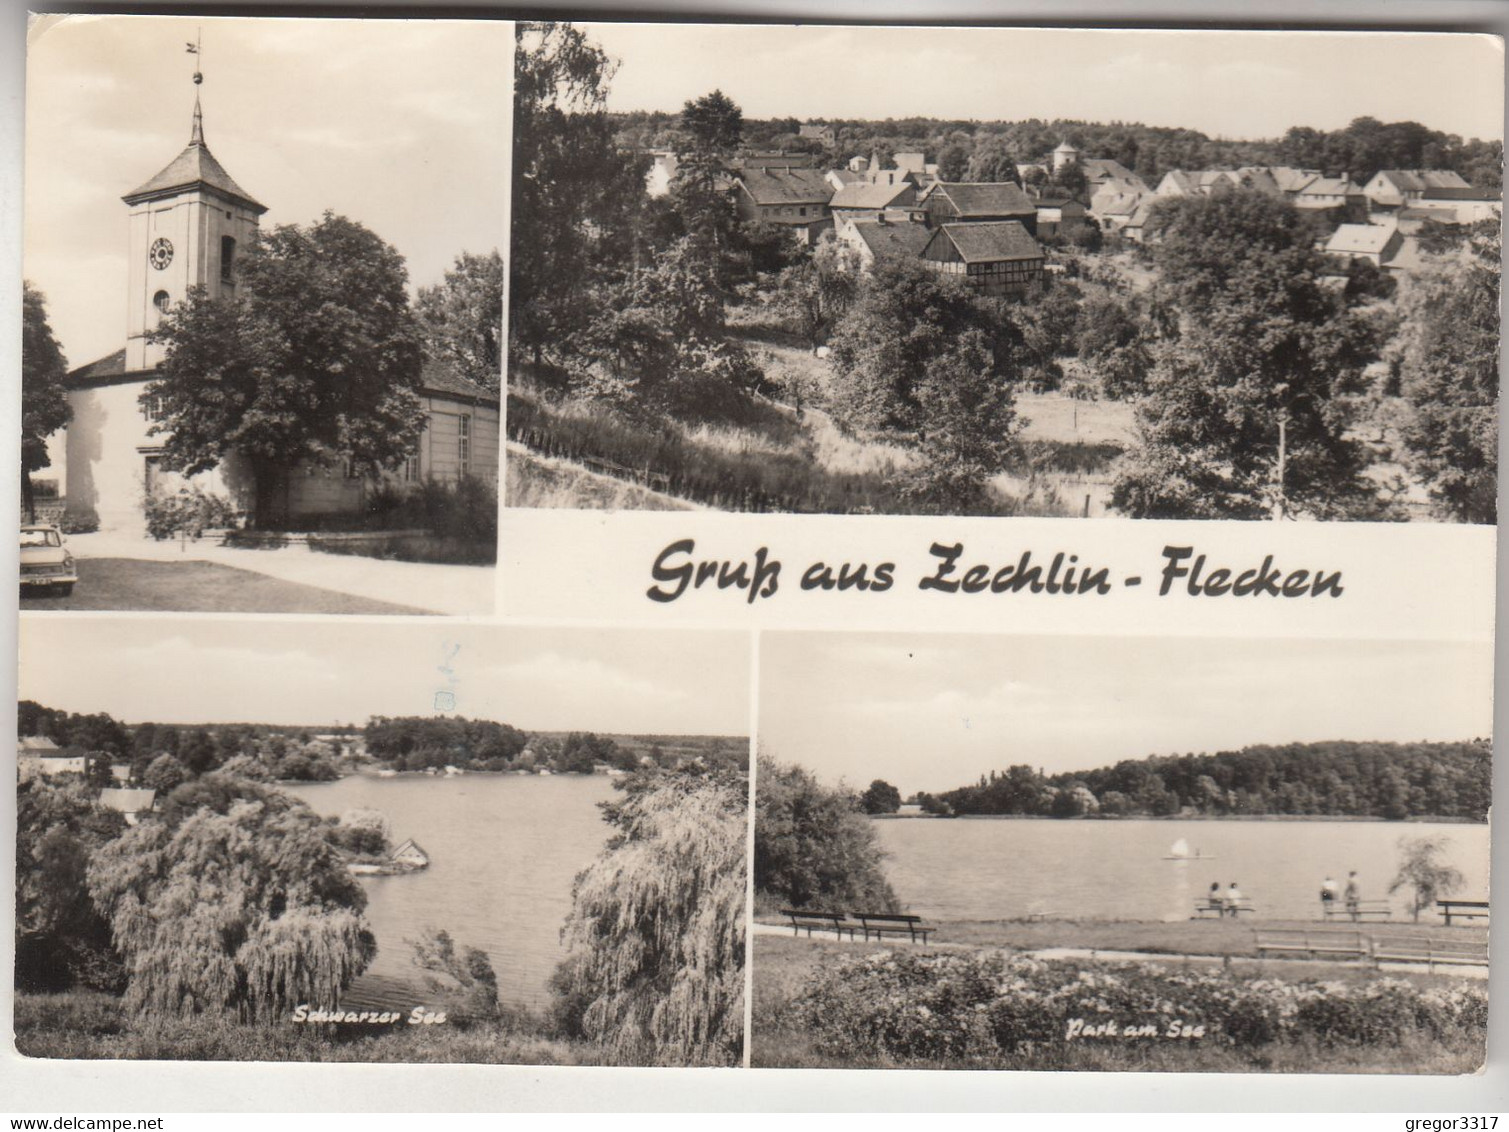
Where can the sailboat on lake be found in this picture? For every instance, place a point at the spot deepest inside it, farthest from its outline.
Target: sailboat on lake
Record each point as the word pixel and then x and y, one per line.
pixel 1180 851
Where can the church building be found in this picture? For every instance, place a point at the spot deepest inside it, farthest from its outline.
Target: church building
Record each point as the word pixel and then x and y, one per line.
pixel 187 226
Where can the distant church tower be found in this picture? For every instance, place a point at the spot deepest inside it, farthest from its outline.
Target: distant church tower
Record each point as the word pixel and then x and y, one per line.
pixel 187 226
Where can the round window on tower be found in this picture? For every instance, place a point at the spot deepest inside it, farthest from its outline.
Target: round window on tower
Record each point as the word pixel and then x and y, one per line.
pixel 161 302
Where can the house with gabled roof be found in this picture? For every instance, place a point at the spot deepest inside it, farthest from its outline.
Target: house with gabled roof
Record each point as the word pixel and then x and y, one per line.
pixel 1134 227
pixel 796 199
pixel 37 756
pixel 1058 215
pixel 1291 181
pixel 1394 188
pixel 1099 171
pixel 1112 205
pixel 865 198
pixel 130 802
pixel 816 132
pixel 884 236
pixel 1376 243
pixel 994 257
pixel 979 202
pixel 410 856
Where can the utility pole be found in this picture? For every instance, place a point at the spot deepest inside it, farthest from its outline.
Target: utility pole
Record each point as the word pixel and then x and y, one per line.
pixel 1283 439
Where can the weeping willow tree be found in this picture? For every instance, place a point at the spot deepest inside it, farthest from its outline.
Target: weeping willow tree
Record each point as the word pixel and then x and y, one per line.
pixel 657 925
pixel 242 907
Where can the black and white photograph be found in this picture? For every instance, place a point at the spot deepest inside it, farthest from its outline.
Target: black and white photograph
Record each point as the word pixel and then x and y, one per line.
pixel 388 843
pixel 1005 272
pixel 511 615
pixel 262 314
pixel 1122 854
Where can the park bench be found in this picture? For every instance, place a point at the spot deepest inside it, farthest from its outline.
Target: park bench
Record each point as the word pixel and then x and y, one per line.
pixel 1314 944
pixel 1463 909
pixel 1424 949
pixel 1378 909
pixel 882 922
pixel 818 921
pixel 1206 908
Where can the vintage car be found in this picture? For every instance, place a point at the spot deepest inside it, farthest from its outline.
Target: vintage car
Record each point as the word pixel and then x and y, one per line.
pixel 45 562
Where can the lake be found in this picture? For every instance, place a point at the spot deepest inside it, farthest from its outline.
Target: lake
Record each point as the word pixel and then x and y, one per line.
pixel 995 869
pixel 503 852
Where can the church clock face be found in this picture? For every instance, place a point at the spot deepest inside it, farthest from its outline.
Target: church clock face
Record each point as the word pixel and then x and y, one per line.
pixel 160 254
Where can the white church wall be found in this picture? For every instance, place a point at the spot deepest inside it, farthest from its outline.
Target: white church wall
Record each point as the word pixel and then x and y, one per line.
pixel 107 450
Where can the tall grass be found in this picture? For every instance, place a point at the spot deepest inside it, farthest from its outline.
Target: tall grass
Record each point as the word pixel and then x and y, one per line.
pixel 90 1025
pixel 726 467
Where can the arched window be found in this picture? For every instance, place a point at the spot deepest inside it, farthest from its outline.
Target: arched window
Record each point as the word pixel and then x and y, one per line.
pixel 227 259
pixel 161 302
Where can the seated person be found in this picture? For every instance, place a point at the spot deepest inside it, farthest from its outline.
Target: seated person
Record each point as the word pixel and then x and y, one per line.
pixel 1234 898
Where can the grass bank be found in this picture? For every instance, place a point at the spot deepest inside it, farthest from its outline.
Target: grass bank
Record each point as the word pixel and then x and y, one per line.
pixel 88 1025
pixel 827 1005
pixel 750 453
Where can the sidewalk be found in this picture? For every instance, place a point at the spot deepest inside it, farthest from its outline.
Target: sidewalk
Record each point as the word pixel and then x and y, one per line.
pixel 439 588
pixel 1101 954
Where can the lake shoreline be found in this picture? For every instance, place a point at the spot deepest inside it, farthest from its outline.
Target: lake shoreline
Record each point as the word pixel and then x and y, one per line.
pixel 1427 819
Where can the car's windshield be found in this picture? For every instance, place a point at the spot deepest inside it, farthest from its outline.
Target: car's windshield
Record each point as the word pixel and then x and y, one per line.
pixel 41 538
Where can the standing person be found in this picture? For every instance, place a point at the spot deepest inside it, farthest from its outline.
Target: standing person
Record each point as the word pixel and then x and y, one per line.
pixel 1234 898
pixel 1353 894
pixel 1329 891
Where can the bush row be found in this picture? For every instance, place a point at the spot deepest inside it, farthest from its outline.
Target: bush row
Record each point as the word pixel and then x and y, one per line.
pixel 980 1007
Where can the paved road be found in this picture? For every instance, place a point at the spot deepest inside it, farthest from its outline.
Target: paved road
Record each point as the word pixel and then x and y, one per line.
pixel 370 583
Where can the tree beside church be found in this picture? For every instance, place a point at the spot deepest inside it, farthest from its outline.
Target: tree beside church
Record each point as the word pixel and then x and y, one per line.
pixel 317 363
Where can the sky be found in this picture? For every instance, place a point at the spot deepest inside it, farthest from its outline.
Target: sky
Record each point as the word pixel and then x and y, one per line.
pixel 935 712
pixel 1223 83
pixel 401 125
pixel 315 673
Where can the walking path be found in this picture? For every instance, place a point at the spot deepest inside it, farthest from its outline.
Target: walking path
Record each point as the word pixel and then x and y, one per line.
pixel 435 587
pixel 1461 971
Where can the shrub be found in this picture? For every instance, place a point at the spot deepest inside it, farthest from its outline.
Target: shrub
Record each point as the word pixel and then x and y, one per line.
pixel 75 524
pixel 187 512
pixel 464 981
pixel 935 1007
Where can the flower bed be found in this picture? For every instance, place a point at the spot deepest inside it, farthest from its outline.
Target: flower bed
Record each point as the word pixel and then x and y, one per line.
pixel 979 1008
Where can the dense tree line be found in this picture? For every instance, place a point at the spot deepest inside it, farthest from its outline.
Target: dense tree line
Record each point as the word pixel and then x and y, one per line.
pixel 1339 779
pixel 417 743
pixel 165 755
pixel 987 151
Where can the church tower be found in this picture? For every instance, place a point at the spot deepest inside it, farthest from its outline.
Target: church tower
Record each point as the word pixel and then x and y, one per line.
pixel 188 224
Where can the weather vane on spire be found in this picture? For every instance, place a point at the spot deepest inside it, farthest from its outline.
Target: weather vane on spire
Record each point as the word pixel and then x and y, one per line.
pixel 194 49
pixel 197 136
